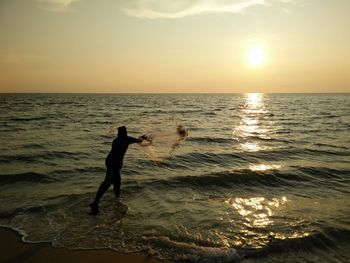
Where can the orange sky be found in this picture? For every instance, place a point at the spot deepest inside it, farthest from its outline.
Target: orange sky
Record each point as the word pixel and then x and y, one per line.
pixel 174 46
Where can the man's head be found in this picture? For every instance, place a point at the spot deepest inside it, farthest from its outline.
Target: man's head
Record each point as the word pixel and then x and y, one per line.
pixel 122 132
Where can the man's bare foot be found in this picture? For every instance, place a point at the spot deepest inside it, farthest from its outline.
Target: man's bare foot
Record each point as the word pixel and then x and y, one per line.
pixel 94 209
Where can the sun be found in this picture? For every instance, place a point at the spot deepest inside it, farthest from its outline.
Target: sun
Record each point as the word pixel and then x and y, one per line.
pixel 256 55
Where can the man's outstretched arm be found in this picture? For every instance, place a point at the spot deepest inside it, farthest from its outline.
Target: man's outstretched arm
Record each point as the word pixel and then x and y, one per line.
pixel 136 140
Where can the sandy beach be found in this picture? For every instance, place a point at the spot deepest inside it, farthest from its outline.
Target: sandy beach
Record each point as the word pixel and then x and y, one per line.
pixel 13 250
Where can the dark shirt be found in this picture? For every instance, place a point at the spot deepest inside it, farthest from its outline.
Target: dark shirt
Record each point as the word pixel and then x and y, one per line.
pixel 119 146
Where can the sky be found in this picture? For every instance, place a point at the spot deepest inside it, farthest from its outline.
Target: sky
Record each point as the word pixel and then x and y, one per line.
pixel 154 46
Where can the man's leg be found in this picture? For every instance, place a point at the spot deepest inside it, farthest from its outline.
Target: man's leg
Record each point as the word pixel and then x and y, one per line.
pixel 116 182
pixel 102 189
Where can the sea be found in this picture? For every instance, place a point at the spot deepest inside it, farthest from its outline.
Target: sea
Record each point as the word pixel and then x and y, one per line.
pixel 259 177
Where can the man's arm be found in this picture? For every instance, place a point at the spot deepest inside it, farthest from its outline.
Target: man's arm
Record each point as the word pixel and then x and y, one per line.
pixel 136 140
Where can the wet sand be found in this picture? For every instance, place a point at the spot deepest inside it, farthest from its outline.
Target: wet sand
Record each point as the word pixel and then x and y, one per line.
pixel 13 250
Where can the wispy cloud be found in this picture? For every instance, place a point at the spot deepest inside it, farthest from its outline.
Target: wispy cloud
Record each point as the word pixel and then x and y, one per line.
pixel 55 5
pixel 172 9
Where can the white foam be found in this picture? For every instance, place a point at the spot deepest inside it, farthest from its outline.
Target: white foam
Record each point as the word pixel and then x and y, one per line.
pixel 193 252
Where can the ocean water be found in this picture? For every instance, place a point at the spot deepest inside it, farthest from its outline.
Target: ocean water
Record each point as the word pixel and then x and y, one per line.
pixel 260 178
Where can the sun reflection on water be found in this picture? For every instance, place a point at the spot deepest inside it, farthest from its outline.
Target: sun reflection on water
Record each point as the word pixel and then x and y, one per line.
pixel 251 146
pixel 254 100
pixel 256 211
pixel 264 167
pixel 257 219
pixel 249 125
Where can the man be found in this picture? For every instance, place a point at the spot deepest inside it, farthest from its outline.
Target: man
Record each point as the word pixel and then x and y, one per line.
pixel 114 163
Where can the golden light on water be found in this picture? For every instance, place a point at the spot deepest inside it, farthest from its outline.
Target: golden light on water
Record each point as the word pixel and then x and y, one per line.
pixel 250 146
pixel 249 124
pixel 258 215
pixel 250 127
pixel 254 100
pixel 264 167
pixel 256 211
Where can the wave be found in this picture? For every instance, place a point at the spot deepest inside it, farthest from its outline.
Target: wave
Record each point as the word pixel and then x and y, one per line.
pixel 25 210
pixel 268 139
pixel 54 176
pixel 310 176
pixel 52 203
pixel 289 152
pixel 191 252
pixel 229 179
pixel 21 119
pixel 84 170
pixel 171 111
pixel 327 239
pixel 331 145
pixel 239 156
pixel 33 146
pixel 324 152
pixel 25 177
pixel 40 157
pixel 324 172
pixel 283 131
pixel 210 140
pixel 196 158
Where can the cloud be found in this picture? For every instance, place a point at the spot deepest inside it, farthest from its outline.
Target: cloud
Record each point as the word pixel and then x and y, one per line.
pixel 55 5
pixel 172 9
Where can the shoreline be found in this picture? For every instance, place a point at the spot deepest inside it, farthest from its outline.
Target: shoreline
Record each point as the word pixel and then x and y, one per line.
pixel 13 249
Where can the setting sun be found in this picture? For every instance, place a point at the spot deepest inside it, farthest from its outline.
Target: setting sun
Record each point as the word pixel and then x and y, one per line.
pixel 256 55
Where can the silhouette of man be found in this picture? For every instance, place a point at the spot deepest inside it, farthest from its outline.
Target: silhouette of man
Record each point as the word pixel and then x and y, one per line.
pixel 114 163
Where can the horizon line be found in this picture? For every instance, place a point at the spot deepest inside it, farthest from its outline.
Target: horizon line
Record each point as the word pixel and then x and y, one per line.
pixel 150 93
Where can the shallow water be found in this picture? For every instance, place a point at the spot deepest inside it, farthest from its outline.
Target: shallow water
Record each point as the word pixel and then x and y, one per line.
pixel 260 178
